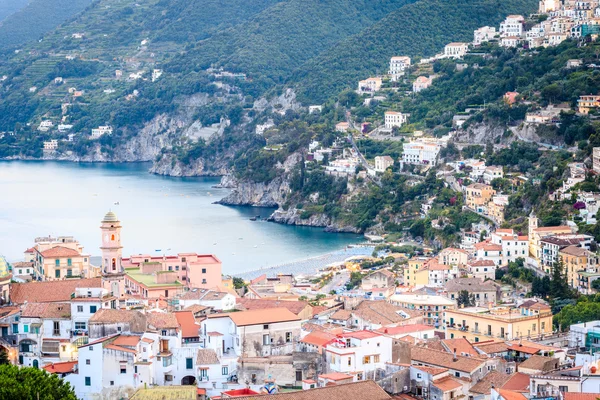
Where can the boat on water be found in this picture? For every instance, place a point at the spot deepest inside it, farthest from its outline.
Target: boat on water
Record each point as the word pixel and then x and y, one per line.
pixel 253 219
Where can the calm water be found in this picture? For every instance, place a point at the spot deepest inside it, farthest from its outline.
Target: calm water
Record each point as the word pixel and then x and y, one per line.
pixel 157 213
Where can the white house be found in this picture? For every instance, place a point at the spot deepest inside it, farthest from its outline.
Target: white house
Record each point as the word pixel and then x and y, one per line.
pixel 421 83
pixel 483 34
pixel 45 125
pixel 420 153
pixel 456 49
pixel 221 301
pixel 512 26
pixel 101 130
pixel 395 119
pixel 383 162
pixel 370 85
pixel 397 66
pixel 491 173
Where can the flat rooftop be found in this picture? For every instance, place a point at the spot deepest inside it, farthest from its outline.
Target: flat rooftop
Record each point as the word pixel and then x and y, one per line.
pixel 148 279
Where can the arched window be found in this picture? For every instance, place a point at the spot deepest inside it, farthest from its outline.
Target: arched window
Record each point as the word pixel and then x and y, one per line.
pixel 35 364
pixel 114 264
pixel 112 237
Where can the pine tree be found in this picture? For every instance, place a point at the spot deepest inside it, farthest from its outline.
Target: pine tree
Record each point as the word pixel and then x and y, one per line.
pixel 4 357
pixel 559 288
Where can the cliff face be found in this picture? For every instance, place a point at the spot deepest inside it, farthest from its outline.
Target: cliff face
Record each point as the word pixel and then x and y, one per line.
pixel 292 216
pixel 257 194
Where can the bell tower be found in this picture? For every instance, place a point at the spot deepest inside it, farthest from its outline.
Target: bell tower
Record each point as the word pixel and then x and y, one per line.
pixel 113 274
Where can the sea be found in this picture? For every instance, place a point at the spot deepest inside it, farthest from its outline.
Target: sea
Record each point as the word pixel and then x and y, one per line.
pixel 160 215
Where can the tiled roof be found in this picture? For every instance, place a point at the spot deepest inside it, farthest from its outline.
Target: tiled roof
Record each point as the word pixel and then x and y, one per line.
pixel 46 310
pixel 196 308
pixel 444 359
pixel 378 312
pixel 470 284
pixel 59 251
pixel 128 341
pixel 341 315
pixel 491 348
pixel 335 376
pixel 431 370
pixel 60 367
pixel 186 320
pixel 398 330
pixel 447 384
pixel 574 251
pixel 493 379
pixel 535 305
pixel 360 335
pixel 119 348
pixel 517 382
pixel 207 357
pixel 258 317
pixel 539 363
pixel 356 390
pixel 254 304
pixel 580 396
pixel 163 320
pixel 488 246
pixel 203 294
pixel 523 349
pixel 8 311
pixel 135 319
pixel 461 345
pixel 481 263
pixel 318 338
pixel 50 291
pixel 510 395
pixel 553 228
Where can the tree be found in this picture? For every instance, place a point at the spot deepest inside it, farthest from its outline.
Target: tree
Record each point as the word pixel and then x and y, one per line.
pixel 32 383
pixel 3 357
pixel 596 285
pixel 559 287
pixel 239 283
pixel 465 299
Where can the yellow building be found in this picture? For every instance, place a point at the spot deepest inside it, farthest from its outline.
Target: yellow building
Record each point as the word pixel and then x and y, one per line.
pixel 413 273
pixel 478 324
pixel 536 234
pixel 496 212
pixel 433 307
pixel 58 258
pixel 478 195
pixel 575 259
pixel 587 102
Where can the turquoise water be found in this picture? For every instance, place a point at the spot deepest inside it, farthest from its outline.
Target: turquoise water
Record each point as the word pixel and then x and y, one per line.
pixel 157 213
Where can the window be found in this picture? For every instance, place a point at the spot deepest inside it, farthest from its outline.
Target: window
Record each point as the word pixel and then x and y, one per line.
pixel 80 325
pixel 366 359
pixel 265 326
pixel 87 361
pixel 288 337
pixel 135 369
pixel 182 259
pixel 57 263
pixel 183 268
pixel 25 347
pixel 204 281
pixel 56 328
pixel 57 273
pixel 419 376
pixel 93 309
pixel 163 332
pixel 177 268
pixel 112 383
pixel 169 378
pixel 266 340
pixel 457 374
pixel 349 361
pixel 88 381
pixel 203 270
pixel 25 328
pixel 69 262
pixel 79 308
pixel 189 363
pixel 563 389
pixel 91 348
pixel 225 370
pixel 69 272
pixel 123 368
pixel 376 358
pixel 15 328
pixel 170 268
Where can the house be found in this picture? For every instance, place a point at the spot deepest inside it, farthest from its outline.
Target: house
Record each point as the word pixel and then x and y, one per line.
pixel 483 292
pixel 420 153
pixel 394 119
pixel 574 63
pixel 512 26
pixel 256 333
pixel 433 307
pixel 378 279
pixel 468 368
pixel 510 41
pixel 538 365
pixel 360 352
pixel 383 162
pixel 513 245
pixel 370 85
pixel 495 208
pixel 51 145
pixel 421 83
pixel 510 98
pixel 315 340
pixel 482 269
pixel 483 34
pixel 315 109
pixel 342 127
pixel 478 323
pixel 219 301
pixel 536 234
pixel 57 258
pixel 456 50
pixel 453 256
pixel 478 195
pixel 585 103
pixel 552 245
pixel 49 291
pixel 377 314
pixel 398 66
pixel 101 131
pixel 45 125
pixel 490 173
pixel 575 259
pixel 489 251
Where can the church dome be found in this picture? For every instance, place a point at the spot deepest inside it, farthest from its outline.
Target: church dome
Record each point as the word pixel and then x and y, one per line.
pixel 110 217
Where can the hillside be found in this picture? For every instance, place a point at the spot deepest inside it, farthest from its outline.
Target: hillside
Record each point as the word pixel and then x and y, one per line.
pixel 37 18
pixel 274 42
pixel 8 7
pixel 419 29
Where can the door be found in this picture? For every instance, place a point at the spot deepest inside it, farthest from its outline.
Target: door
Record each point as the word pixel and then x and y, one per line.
pixel 35 364
pixel 4 331
pixel 223 346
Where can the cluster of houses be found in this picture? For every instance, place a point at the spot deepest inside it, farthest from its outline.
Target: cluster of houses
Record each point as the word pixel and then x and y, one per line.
pixel 139 324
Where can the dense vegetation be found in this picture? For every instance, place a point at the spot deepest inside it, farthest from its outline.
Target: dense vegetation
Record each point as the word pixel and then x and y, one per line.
pixel 37 18
pixel 32 383
pixel 8 7
pixel 419 29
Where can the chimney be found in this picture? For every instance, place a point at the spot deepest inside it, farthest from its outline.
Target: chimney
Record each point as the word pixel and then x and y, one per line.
pixel 454 358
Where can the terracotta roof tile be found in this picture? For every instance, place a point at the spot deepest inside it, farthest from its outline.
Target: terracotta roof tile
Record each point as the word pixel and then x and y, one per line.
pixel 257 317
pixel 356 390
pixel 128 341
pixel 50 291
pixel 379 312
pixel 580 396
pixel 444 359
pixel 539 363
pixel 46 310
pixel 59 252
pixel 60 367
pixel 510 395
pixel 431 370
pixel 163 320
pixel 492 348
pixel 517 382
pixel 342 315
pixel 135 319
pixel 335 376
pixel 318 338
pixel 186 320
pixel 447 384
pixel 119 348
pixel 493 379
pixel 254 304
pixel 398 330
pixel 462 346
pixel 207 357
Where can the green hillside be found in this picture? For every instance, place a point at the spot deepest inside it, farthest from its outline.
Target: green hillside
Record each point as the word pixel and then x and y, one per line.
pixel 419 29
pixel 39 17
pixel 279 39
pixel 8 7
